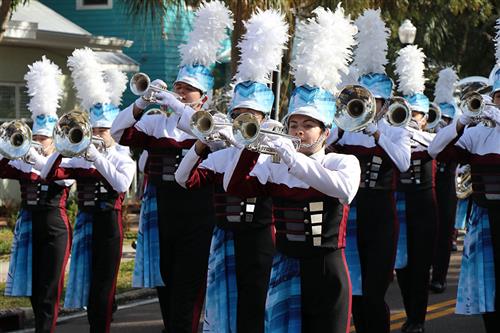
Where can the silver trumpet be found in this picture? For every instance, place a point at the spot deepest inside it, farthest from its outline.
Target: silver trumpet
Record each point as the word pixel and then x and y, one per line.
pixel 73 135
pixel 140 84
pixel 463 183
pixel 15 139
pixel 356 108
pixel 473 105
pixel 398 112
pixel 434 118
pixel 207 124
pixel 248 131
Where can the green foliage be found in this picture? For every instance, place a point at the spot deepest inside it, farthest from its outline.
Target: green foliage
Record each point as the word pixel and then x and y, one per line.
pixel 72 210
pixel 6 237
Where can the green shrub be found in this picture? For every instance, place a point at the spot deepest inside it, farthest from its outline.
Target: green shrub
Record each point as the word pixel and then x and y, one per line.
pixel 6 237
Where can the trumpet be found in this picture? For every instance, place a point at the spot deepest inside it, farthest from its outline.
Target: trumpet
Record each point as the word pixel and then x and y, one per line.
pixel 15 139
pixel 249 133
pixel 206 125
pixel 140 83
pixel 434 118
pixel 398 112
pixel 356 108
pixel 463 183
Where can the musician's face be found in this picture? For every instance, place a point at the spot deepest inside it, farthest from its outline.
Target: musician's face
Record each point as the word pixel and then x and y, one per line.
pixel 105 134
pixel 496 98
pixel 308 130
pixel 188 93
pixel 380 102
pixel 420 117
pixel 259 115
pixel 46 143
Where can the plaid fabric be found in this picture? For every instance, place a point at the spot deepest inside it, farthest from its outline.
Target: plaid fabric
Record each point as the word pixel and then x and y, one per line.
pixel 476 285
pixel 351 251
pixel 402 250
pixel 20 266
pixel 283 305
pixel 221 296
pixel 461 216
pixel 77 290
pixel 147 257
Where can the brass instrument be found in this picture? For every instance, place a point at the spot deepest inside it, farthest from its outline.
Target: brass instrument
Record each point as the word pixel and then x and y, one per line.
pixel 140 83
pixel 463 183
pixel 434 118
pixel 249 133
pixel 15 139
pixel 206 125
pixel 473 105
pixel 356 108
pixel 398 112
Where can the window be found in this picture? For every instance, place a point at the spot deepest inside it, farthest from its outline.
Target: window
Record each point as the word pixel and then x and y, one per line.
pixel 94 4
pixel 13 101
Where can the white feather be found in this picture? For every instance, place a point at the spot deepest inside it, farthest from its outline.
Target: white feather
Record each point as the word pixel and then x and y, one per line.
pixel 410 69
pixel 117 84
pixel 43 81
pixel 371 53
pixel 497 43
pixel 445 86
pixel 262 46
pixel 349 78
pixel 212 19
pixel 88 78
pixel 324 49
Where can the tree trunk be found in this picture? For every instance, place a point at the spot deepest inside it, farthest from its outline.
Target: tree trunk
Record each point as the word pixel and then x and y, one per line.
pixel 4 16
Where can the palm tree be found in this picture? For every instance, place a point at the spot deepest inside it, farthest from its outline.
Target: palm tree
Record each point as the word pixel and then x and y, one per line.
pixel 6 9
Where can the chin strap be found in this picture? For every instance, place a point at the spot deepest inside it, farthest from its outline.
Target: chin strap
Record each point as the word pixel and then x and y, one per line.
pixel 315 144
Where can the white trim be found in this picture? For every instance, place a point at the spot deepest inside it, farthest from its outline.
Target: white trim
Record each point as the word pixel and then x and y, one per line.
pixel 81 6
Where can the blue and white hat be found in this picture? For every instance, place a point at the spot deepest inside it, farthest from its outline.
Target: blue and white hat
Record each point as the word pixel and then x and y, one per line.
pixel 444 92
pixel 103 115
pixel 418 102
pixel 211 24
pixel 410 69
pixel 44 85
pixel 314 102
pixel 380 85
pixel 252 95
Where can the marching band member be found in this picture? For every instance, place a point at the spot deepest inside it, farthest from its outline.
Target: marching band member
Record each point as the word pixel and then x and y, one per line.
pixel 310 190
pixel 417 184
pixel 381 149
pixel 242 246
pixel 479 146
pixel 445 184
pixel 42 235
pixel 184 235
pixel 103 178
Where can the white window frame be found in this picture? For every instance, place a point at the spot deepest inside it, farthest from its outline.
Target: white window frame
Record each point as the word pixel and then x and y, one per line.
pixel 17 97
pixel 81 6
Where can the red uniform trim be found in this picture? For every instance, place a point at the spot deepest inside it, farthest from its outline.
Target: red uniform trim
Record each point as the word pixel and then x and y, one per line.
pixel 346 269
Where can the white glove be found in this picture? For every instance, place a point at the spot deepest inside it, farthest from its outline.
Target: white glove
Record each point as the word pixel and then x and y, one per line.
pixel 33 157
pixel 284 147
pixel 141 103
pixel 227 134
pixel 493 113
pixel 465 119
pixel 414 124
pixel 168 100
pixel 371 129
pixel 92 153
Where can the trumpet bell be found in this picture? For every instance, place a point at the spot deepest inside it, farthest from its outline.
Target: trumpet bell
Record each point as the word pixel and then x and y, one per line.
pixel 139 83
pixel 463 183
pixel 246 128
pixel 472 104
pixel 73 134
pixel 434 117
pixel 206 125
pixel 15 139
pixel 399 112
pixel 356 108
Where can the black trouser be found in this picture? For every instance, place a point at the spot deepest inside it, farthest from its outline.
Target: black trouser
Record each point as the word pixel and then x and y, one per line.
pixel 162 299
pixel 413 280
pixel 377 240
pixel 107 238
pixel 51 246
pixel 326 293
pixel 492 319
pixel 447 207
pixel 254 251
pixel 185 237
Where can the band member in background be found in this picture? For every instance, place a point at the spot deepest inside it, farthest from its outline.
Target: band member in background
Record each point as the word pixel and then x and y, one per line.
pixel 418 187
pixel 310 190
pixel 381 149
pixel 42 236
pixel 184 235
pixel 103 177
pixel 445 184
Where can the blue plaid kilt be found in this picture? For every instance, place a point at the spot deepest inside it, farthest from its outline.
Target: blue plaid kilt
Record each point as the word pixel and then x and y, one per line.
pixel 461 216
pixel 20 267
pixel 402 250
pixel 351 251
pixel 283 305
pixel 77 290
pixel 221 296
pixel 476 285
pixel 147 257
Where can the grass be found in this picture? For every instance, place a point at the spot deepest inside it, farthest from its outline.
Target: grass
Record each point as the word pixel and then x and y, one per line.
pixel 6 237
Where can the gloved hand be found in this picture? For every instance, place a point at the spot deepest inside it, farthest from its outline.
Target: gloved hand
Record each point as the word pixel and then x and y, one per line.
pixel 371 129
pixel 465 119
pixel 284 147
pixel 492 113
pixel 227 134
pixel 92 153
pixel 32 156
pixel 414 124
pixel 169 100
pixel 270 124
pixel 141 103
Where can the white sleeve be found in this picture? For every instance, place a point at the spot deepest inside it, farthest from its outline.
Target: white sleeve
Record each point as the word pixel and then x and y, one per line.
pixel 40 162
pixel 339 178
pixel 125 119
pixel 48 165
pixel 399 151
pixel 184 123
pixel 333 137
pixel 187 164
pixel 119 175
pixel 65 182
pixel 442 139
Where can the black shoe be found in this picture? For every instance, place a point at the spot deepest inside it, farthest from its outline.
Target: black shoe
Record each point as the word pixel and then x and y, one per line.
pixel 437 287
pixel 415 328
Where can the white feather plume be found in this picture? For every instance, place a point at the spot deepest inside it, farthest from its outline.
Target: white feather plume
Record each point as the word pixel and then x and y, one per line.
pixel 212 19
pixel 445 86
pixel 43 81
pixel 349 78
pixel 324 49
pixel 497 43
pixel 371 53
pixel 262 46
pixel 117 84
pixel 88 78
pixel 410 69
